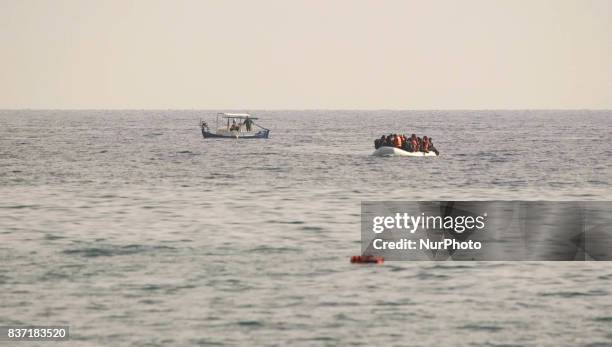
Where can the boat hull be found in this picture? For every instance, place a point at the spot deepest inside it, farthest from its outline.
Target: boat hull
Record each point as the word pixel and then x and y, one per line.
pixel 262 134
pixel 386 151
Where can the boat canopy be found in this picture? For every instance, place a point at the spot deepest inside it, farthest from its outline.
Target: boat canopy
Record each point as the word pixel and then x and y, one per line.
pixel 236 115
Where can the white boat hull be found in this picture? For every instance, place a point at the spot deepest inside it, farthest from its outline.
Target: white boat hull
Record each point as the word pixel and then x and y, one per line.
pixel 386 151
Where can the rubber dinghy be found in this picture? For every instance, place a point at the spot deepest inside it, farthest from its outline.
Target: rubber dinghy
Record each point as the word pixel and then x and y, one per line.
pixel 386 151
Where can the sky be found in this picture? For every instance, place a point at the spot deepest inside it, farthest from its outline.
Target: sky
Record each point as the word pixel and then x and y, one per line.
pixel 306 54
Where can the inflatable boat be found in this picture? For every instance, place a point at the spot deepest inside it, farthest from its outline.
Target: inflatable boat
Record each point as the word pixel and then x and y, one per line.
pixel 386 151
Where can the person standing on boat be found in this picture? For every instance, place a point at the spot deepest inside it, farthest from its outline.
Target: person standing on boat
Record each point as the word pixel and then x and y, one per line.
pixel 248 123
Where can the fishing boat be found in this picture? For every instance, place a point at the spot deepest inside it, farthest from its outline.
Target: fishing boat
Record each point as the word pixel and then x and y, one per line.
pixel 387 151
pixel 235 126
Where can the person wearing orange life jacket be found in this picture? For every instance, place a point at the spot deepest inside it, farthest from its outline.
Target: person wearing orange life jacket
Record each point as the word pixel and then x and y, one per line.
pixel 397 141
pixel 425 144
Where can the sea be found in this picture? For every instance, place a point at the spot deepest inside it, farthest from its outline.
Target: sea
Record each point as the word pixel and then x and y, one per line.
pixel 131 229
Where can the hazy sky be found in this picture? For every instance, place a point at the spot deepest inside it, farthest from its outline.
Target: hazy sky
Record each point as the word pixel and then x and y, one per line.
pixel 306 54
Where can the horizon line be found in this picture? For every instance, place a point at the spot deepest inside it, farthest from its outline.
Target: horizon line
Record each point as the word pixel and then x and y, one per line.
pixel 306 109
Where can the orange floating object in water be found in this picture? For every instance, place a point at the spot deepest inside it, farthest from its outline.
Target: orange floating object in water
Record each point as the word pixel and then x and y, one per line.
pixel 367 259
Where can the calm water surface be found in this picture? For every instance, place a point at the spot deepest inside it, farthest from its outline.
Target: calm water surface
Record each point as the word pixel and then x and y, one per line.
pixel 135 231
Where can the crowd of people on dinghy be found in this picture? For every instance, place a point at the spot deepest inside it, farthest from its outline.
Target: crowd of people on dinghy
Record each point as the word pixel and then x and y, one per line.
pixel 409 144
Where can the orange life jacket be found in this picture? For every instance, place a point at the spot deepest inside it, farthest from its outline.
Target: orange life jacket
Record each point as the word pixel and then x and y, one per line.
pixel 398 142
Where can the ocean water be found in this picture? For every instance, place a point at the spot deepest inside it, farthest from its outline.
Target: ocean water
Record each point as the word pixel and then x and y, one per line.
pixel 133 230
